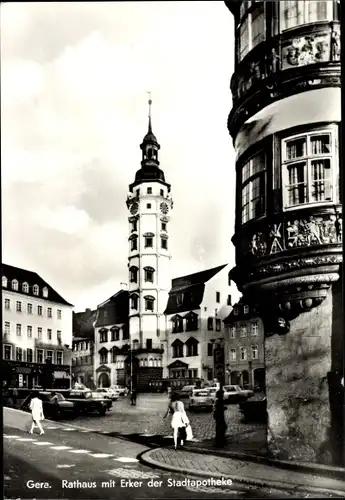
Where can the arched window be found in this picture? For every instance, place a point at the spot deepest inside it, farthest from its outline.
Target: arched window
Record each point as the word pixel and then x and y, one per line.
pixel 35 289
pixel 133 274
pixel 115 333
pixel 4 281
pixel 103 356
pixel 150 362
pixel 192 322
pixel 149 274
pixel 103 335
pixel 45 292
pixel 134 242
pixel 159 363
pixel 192 347
pixel 25 287
pixel 177 349
pixel 141 362
pixel 134 299
pixel 177 324
pixel 14 285
pixel 155 362
pixel 145 362
pixel 149 303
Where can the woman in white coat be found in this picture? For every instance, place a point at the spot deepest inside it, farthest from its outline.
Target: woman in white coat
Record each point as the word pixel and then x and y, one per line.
pixel 179 422
pixel 36 408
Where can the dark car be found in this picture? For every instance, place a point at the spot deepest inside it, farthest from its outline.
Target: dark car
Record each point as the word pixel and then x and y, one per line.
pixel 55 406
pixel 89 402
pixel 254 409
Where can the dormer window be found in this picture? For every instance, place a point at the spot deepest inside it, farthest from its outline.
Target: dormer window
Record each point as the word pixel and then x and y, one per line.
pixel 149 274
pixel 45 292
pixel 35 289
pixel 133 274
pixel 25 288
pixel 179 299
pixel 246 309
pixel 4 281
pixel 14 285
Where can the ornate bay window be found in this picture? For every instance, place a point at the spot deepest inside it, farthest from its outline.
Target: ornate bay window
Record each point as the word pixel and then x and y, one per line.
pixel 308 168
pixel 149 274
pixel 253 187
pixel 149 303
pixel 298 12
pixel 252 28
pixel 133 278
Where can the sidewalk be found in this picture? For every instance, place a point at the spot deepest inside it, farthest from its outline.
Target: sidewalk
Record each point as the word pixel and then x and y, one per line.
pixel 242 471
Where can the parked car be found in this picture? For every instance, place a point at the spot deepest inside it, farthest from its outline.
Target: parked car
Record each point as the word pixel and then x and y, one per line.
pixel 55 406
pixel 247 392
pixel 201 399
pixel 120 390
pixel 89 401
pixel 108 393
pixel 213 392
pixel 185 392
pixel 234 394
pixel 255 409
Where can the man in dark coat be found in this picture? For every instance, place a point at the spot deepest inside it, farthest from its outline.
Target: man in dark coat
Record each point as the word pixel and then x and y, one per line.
pixel 218 415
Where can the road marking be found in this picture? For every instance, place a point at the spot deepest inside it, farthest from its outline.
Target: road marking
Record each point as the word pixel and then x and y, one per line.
pixel 168 437
pixel 52 428
pixel 79 451
pixel 126 459
pixel 101 455
pixel 61 447
pixel 10 436
pixel 26 439
pixel 64 466
pixel 42 443
pixel 68 429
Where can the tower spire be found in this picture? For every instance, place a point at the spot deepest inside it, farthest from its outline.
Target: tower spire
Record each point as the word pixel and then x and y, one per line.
pixel 150 102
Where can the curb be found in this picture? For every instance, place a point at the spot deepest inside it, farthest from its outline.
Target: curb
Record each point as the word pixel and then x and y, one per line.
pixel 319 469
pixel 146 459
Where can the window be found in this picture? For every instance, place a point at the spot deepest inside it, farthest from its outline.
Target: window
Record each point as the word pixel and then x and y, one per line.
pixel 235 311
pixel 134 301
pixel 255 352
pixel 192 347
pixel 39 332
pixel 29 331
pixel 255 327
pixel 148 343
pixel 149 273
pixel 233 332
pixel 59 357
pixel 149 303
pixel 25 288
pixel 4 281
pixel 7 328
pixel 218 297
pixel 14 285
pixel 59 314
pixel 210 349
pixel 243 330
pixel 246 309
pixel 133 274
pixel 113 355
pixel 103 356
pixel 18 330
pixel 148 205
pixel 179 299
pixel 251 31
pixel 29 308
pixel 35 289
pixel 45 292
pixel 137 193
pixel 49 356
pixel 232 354
pixel 177 325
pixel 58 336
pixel 103 335
pixel 295 13
pixel 115 334
pixel 29 355
pixel 149 190
pixel 49 312
pixel 7 304
pixel 39 355
pixel 49 334
pixel 162 192
pixel 229 300
pixel 134 227
pixel 253 188
pixel 307 169
pixel 209 323
pixel 164 226
pixel 164 244
pixel 218 325
pixel 7 352
pixel 39 310
pixel 192 322
pixel 19 354
pixel 148 242
pixel 243 353
pixel 134 244
pixel 177 349
pixel 229 280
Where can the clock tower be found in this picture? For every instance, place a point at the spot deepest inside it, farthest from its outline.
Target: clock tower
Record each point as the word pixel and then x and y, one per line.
pixel 149 261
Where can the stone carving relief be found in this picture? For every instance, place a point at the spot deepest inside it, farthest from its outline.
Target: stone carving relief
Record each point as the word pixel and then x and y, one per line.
pixel 258 244
pixel 335 45
pixel 306 50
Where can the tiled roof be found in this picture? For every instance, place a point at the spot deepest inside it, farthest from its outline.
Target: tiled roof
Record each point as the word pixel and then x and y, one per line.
pixel 83 324
pixel 192 286
pixel 114 311
pixel 31 278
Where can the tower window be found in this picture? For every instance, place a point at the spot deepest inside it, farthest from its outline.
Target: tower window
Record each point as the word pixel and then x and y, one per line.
pixel 149 274
pixel 134 224
pixel 134 302
pixel 253 188
pixel 133 274
pixel 149 190
pixel 149 303
pixel 148 205
pixel 162 192
pixel 164 244
pixel 295 13
pixel 164 226
pixel 148 242
pixel 134 244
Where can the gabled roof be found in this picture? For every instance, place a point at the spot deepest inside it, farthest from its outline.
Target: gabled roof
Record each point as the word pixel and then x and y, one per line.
pixel 114 311
pixel 31 278
pixel 83 324
pixel 192 288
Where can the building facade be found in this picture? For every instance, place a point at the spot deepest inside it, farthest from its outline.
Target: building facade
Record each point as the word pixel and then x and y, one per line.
pixel 37 331
pixel 244 347
pixel 83 348
pixel 285 126
pixel 196 308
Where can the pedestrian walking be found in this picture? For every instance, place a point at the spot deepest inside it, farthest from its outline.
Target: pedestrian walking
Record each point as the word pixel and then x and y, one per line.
pixel 218 415
pixel 36 408
pixel 15 397
pixel 133 396
pixel 179 422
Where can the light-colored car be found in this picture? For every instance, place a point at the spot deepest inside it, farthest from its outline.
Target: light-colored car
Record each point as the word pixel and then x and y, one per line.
pixel 120 390
pixel 108 393
pixel 247 392
pixel 213 392
pixel 234 394
pixel 200 398
pixel 186 391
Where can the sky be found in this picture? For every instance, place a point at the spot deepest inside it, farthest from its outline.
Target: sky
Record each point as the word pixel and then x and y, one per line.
pixel 74 82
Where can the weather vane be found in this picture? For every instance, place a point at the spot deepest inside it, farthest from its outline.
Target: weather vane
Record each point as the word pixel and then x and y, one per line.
pixel 150 102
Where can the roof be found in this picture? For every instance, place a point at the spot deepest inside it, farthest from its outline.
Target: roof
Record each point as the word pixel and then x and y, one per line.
pixel 31 278
pixel 114 311
pixel 191 287
pixel 83 324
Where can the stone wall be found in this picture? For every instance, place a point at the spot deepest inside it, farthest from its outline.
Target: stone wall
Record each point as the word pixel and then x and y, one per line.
pixel 299 415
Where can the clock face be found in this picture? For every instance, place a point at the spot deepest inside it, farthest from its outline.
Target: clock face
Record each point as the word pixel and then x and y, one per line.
pixel 134 208
pixel 164 208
